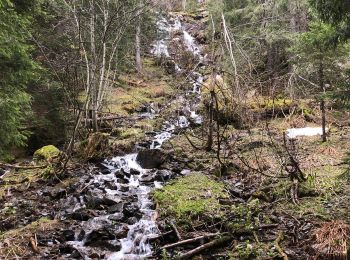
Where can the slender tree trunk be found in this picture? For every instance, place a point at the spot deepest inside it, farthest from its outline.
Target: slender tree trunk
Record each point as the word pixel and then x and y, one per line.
pixel 211 125
pixel 322 103
pixel 138 45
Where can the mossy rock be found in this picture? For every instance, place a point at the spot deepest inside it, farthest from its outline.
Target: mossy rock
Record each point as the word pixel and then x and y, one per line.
pixel 46 153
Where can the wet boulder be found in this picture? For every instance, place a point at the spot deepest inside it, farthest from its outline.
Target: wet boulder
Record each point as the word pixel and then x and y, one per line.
pixel 98 235
pixel 122 231
pixel 116 208
pixel 147 177
pixel 131 210
pixel 81 215
pixel 68 235
pixel 102 238
pixel 116 217
pixel 151 158
pixel 124 188
pixel 96 202
pixel 163 175
pixel 122 174
pixel 134 171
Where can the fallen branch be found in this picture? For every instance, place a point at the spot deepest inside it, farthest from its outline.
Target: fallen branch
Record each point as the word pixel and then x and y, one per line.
pixel 278 247
pixel 206 246
pixel 172 224
pixel 191 240
pixel 12 166
pixel 34 245
pixel 153 238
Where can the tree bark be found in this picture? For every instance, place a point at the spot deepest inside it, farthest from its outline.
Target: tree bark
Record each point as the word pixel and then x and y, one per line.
pixel 211 125
pixel 138 44
pixel 322 103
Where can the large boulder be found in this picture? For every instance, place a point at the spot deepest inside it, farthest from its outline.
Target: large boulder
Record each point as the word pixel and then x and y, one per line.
pixel 104 239
pixel 46 153
pixel 151 158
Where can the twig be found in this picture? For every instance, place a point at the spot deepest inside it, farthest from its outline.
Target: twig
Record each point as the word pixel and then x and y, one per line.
pixel 278 247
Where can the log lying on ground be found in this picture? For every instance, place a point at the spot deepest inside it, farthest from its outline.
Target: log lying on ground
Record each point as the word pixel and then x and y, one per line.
pixel 216 242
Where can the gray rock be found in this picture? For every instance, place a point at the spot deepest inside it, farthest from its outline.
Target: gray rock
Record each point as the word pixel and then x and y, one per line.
pixel 151 158
pixel 117 208
pixel 68 235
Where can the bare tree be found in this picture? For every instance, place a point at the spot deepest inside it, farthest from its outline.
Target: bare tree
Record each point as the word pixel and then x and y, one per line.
pixel 99 27
pixel 138 42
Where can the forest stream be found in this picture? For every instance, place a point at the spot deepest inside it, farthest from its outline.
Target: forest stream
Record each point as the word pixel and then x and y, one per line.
pixel 126 181
pixel 184 129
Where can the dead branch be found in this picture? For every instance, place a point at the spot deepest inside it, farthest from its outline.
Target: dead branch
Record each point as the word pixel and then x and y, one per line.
pixel 278 247
pixel 34 245
pixel 191 240
pixel 206 246
pixel 20 167
pixel 172 224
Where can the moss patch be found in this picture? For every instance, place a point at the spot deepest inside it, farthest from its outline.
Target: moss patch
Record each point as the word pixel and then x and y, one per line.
pixel 195 195
pixel 134 91
pixel 15 179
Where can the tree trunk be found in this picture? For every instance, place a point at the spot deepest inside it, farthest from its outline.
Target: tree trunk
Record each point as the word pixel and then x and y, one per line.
pixel 323 112
pixel 211 125
pixel 322 103
pixel 138 46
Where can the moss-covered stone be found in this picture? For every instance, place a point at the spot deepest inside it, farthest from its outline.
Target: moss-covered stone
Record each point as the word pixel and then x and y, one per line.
pixel 46 153
pixel 193 196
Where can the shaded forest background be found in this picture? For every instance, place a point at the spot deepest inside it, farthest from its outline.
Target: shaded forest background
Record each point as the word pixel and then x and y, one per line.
pixel 280 50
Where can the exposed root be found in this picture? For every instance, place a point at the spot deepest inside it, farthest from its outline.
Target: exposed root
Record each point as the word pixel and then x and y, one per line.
pixel 278 247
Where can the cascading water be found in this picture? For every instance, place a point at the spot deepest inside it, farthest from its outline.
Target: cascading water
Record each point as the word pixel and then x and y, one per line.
pixel 129 181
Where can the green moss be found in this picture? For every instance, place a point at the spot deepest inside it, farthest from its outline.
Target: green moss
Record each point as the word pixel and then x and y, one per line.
pixel 46 153
pixel 266 103
pixel 15 178
pixel 195 195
